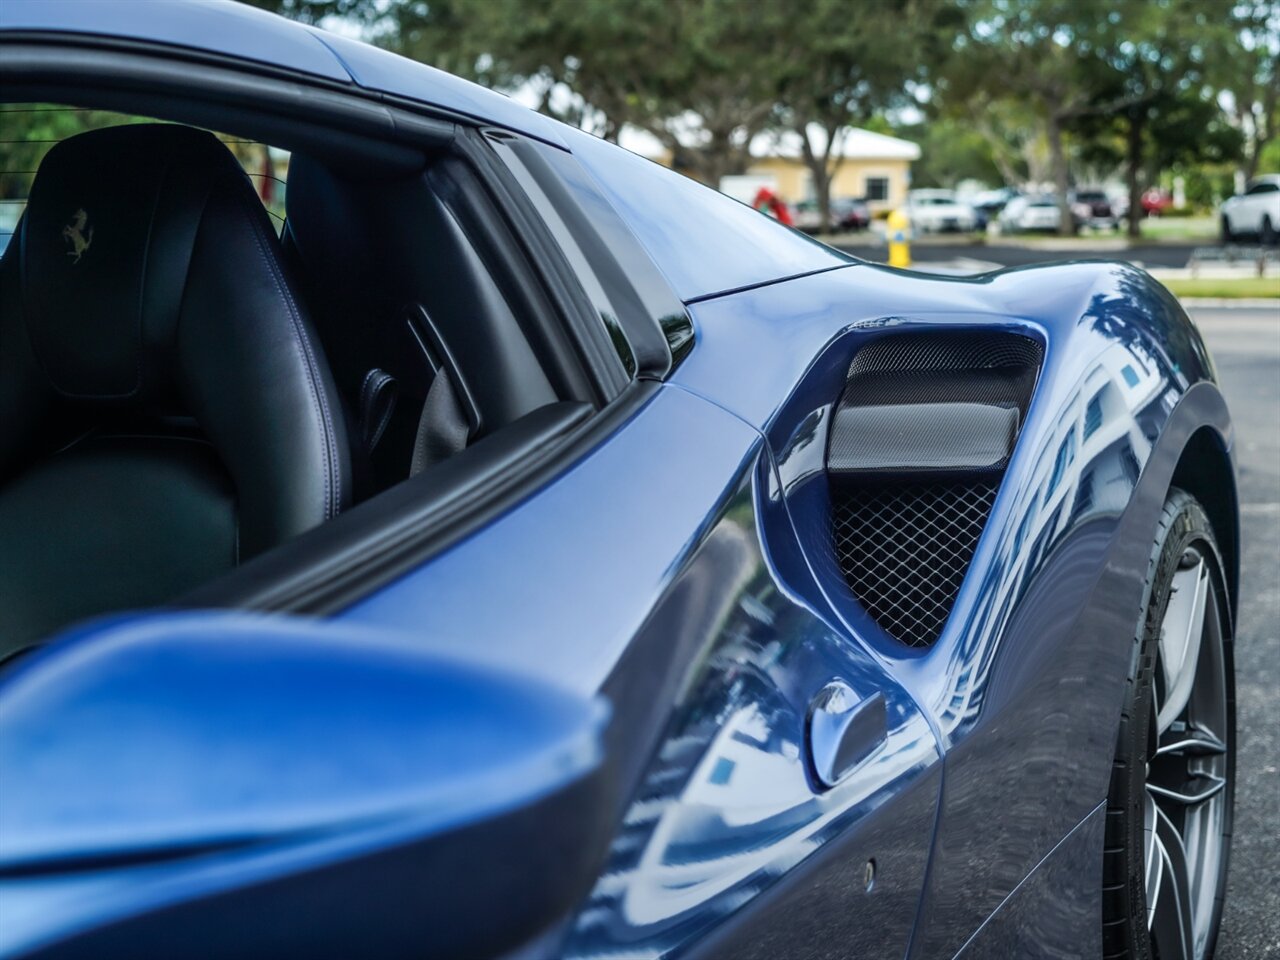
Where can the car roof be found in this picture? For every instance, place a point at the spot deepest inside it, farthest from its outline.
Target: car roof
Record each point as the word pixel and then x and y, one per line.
pixel 226 28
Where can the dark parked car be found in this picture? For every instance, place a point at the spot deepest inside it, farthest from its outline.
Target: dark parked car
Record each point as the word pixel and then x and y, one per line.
pixel 514 549
pixel 850 214
pixel 1095 208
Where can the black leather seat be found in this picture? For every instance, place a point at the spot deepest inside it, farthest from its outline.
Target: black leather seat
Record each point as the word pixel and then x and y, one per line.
pixel 165 411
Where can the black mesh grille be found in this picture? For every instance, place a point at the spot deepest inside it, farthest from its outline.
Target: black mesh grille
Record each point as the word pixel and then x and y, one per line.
pixel 904 549
pixel 951 350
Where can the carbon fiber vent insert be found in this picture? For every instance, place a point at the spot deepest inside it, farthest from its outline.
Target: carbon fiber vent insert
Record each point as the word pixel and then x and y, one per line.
pixel 904 550
pixel 919 441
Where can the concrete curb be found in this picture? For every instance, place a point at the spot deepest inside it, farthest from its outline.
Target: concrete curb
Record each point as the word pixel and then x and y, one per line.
pixel 1248 303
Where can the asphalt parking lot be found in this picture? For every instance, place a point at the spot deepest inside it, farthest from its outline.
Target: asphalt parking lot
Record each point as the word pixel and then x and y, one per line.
pixel 1245 343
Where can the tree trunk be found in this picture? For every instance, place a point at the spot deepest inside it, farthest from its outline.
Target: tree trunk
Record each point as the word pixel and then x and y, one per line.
pixel 822 193
pixel 820 174
pixel 1058 160
pixel 1133 167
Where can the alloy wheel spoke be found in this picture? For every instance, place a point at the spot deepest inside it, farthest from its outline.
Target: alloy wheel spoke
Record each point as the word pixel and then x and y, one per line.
pixel 1197 743
pixel 1169 912
pixel 1198 788
pixel 1180 636
pixel 1154 858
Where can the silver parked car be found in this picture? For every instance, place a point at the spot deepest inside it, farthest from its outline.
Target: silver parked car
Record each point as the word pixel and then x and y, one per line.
pixel 937 211
pixel 1038 213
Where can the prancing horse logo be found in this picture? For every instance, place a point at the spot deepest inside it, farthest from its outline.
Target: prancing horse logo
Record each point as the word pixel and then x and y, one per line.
pixel 77 235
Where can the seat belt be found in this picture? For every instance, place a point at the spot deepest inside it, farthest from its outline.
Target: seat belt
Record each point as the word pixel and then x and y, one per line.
pixel 378 394
pixel 442 428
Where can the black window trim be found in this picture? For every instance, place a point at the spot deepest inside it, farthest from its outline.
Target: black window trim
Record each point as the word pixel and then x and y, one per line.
pixel 576 314
pixel 653 318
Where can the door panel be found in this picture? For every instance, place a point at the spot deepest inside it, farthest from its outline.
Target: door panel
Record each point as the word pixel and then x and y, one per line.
pixel 728 844
pixel 652 571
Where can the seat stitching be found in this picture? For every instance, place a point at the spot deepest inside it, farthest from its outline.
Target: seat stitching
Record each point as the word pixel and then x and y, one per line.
pixel 332 479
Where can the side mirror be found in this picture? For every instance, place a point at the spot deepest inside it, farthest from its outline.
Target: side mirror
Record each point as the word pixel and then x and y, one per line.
pixel 216 784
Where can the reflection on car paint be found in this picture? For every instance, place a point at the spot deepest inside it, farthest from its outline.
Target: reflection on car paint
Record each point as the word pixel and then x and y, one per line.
pixel 1024 681
pixel 728 803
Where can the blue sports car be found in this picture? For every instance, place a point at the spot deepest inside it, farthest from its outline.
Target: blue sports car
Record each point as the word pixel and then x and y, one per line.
pixel 428 530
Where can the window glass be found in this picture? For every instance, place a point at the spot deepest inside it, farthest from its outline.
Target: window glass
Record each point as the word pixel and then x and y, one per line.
pixel 573 251
pixel 877 188
pixel 704 242
pixel 29 130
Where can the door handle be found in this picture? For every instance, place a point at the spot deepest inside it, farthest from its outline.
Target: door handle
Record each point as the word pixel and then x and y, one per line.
pixel 844 731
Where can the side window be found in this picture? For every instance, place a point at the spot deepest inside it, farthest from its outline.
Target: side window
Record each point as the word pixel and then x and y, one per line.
pixel 645 320
pixel 573 251
pixel 30 130
pixel 1263 187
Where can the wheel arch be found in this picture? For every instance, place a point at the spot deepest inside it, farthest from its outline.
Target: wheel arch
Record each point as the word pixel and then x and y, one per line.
pixel 1204 469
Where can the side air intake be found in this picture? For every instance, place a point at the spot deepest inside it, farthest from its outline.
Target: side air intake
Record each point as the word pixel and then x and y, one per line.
pixel 918 445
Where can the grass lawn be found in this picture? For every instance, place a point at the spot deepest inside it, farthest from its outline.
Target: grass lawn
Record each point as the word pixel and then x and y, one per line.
pixel 1234 287
pixel 1187 229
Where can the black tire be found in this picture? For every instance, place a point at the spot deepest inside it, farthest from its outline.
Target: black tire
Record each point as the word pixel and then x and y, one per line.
pixel 1268 232
pixel 1227 236
pixel 1184 530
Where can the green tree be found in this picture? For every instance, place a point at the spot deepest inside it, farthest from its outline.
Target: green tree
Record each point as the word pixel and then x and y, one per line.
pixel 1081 66
pixel 691 72
pixel 1154 57
pixel 952 151
pixel 1246 69
pixel 1031 52
pixel 839 65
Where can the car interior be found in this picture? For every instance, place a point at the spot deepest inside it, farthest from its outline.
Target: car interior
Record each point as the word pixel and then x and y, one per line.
pixel 210 346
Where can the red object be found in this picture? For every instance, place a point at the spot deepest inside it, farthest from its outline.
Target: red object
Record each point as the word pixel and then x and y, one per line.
pixel 267 185
pixel 768 203
pixel 1155 201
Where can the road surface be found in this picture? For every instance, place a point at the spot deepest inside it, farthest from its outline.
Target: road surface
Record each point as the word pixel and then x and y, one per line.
pixel 1246 347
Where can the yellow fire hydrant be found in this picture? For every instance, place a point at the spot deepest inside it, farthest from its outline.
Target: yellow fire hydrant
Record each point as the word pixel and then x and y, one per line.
pixel 899 233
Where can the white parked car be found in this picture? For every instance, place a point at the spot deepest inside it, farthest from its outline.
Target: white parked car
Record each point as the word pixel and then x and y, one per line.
pixel 935 211
pixel 1026 214
pixel 1255 213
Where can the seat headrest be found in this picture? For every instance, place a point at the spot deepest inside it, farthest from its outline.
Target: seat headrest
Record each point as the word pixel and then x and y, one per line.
pixel 105 245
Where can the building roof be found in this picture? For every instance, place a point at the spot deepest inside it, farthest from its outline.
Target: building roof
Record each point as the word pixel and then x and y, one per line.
pixel 852 143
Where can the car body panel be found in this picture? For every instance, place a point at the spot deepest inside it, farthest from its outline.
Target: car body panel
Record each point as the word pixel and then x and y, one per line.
pixel 676 569
pixel 225 28
pixel 672 594
pixel 380 70
pixel 1050 913
pixel 200 756
pixel 1024 683
pixel 231 29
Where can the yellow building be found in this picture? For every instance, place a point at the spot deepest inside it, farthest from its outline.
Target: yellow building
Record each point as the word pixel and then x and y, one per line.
pixel 866 164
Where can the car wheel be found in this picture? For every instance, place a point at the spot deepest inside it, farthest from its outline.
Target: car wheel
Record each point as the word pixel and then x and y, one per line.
pixel 1268 232
pixel 1226 229
pixel 1169 808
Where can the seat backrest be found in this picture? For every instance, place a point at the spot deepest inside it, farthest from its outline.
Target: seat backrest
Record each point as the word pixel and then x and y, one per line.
pixel 145 295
